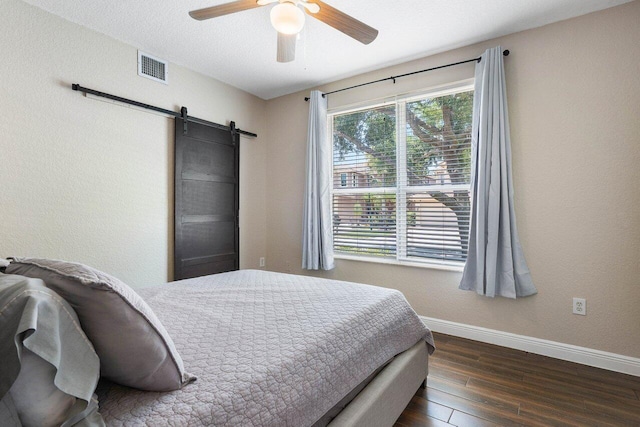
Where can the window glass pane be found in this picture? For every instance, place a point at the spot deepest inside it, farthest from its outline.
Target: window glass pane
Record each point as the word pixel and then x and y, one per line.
pixel 438 225
pixel 364 224
pixel 439 140
pixel 364 146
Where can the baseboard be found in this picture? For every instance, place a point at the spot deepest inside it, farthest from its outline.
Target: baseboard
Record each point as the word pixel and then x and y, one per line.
pixel 572 353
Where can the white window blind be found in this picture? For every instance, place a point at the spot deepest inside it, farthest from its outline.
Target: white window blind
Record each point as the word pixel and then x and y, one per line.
pixel 409 164
pixel 365 214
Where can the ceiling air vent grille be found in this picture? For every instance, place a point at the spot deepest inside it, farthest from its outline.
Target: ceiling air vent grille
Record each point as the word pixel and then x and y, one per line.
pixel 153 68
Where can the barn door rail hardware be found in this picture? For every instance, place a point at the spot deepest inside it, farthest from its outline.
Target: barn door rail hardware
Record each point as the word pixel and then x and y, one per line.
pixel 182 114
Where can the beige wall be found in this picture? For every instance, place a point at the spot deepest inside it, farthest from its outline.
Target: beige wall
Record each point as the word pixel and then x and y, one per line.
pixel 90 181
pixel 574 96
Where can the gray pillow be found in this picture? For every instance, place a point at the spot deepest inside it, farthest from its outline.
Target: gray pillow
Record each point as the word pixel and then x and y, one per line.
pixel 49 368
pixel 134 348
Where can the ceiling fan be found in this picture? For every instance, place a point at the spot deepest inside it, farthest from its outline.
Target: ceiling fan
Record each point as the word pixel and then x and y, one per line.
pixel 288 19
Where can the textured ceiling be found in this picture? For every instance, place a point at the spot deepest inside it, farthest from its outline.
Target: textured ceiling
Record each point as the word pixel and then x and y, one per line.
pixel 240 49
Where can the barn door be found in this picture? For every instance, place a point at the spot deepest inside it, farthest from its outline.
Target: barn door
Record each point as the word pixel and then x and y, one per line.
pixel 206 200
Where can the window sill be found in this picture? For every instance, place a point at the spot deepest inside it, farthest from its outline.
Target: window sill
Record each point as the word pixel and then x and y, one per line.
pixel 434 265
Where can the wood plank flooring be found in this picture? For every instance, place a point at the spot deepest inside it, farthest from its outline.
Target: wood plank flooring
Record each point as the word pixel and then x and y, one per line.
pixel 473 384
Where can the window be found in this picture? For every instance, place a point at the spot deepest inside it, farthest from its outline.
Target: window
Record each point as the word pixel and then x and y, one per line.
pixel 414 155
pixel 343 180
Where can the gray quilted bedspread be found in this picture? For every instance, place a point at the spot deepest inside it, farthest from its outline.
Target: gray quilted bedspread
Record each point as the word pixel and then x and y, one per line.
pixel 268 349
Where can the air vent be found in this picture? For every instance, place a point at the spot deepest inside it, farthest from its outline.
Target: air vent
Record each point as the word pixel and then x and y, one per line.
pixel 153 68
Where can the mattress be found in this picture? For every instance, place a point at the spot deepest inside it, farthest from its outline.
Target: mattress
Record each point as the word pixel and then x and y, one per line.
pixel 269 349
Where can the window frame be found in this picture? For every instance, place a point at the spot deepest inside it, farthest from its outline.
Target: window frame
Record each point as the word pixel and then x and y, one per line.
pixel 401 189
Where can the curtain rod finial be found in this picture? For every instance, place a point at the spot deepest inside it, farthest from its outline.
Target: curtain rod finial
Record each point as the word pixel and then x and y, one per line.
pixel 506 52
pixel 306 98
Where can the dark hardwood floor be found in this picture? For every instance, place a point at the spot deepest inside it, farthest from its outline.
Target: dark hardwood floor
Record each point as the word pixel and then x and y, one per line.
pixel 476 384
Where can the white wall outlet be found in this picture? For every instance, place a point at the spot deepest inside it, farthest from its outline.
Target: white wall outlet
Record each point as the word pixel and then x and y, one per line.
pixel 580 306
pixel 262 262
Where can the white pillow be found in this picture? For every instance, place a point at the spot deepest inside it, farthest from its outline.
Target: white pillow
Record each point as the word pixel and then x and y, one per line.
pixel 37 399
pixel 8 414
pixel 49 368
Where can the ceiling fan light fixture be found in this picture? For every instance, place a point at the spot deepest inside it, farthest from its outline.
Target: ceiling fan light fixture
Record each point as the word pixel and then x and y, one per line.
pixel 287 18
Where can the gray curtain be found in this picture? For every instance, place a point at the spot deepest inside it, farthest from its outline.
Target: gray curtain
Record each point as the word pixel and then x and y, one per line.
pixel 495 263
pixel 317 237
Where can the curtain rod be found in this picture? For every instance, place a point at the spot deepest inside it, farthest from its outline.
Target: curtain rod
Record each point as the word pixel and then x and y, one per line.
pixel 505 53
pixel 182 114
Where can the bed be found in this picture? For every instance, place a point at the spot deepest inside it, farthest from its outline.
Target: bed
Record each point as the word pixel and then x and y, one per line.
pixel 272 349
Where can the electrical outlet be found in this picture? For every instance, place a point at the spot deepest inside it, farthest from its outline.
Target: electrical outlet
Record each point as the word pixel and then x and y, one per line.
pixel 262 261
pixel 580 306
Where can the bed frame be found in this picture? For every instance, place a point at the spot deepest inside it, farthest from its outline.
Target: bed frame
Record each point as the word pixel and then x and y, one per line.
pixel 382 401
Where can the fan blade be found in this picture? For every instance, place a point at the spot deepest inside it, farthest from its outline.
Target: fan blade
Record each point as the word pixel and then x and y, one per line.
pixel 311 7
pixel 343 22
pixel 223 9
pixel 286 47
